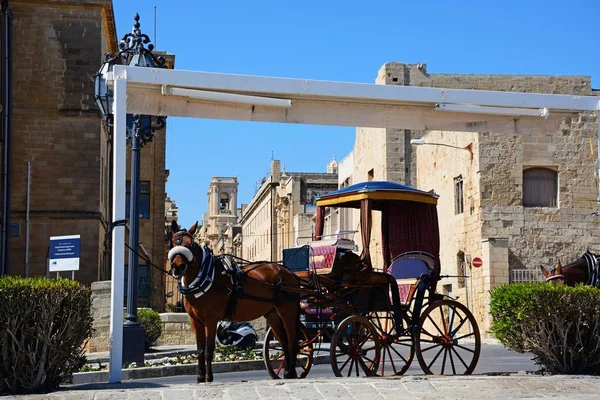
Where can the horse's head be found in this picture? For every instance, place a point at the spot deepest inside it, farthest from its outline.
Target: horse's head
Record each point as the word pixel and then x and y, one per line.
pixel 555 275
pixel 571 274
pixel 184 253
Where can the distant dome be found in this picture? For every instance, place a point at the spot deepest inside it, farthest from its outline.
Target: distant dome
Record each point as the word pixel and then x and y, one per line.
pixel 332 167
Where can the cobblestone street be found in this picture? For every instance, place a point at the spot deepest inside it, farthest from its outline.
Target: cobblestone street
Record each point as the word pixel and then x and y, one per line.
pixel 438 388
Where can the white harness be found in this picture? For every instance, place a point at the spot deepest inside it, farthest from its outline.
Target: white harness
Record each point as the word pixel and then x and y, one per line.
pixel 206 273
pixel 593 269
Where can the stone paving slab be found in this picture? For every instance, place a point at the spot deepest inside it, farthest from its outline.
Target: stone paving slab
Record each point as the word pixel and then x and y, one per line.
pixel 409 387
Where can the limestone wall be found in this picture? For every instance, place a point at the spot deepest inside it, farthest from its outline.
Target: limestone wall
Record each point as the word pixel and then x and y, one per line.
pixel 176 330
pixel 176 327
pixel 542 235
pixel 101 314
pixel 439 166
pixel 57 48
pixel 539 235
pixel 494 225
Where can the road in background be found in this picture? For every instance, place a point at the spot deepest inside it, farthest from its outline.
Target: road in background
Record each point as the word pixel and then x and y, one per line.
pixel 493 359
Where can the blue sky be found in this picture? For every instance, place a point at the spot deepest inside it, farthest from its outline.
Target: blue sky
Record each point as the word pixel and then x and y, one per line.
pixel 344 41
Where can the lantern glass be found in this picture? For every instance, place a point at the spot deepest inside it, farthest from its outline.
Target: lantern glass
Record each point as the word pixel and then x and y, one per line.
pixel 103 94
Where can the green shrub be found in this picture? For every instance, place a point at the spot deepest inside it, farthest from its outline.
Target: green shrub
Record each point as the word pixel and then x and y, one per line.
pixel 559 324
pixel 44 326
pixel 152 324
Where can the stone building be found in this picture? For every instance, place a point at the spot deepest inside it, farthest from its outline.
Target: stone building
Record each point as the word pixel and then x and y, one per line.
pixel 280 215
pixel 58 46
pixel 220 223
pixel 173 297
pixel 516 200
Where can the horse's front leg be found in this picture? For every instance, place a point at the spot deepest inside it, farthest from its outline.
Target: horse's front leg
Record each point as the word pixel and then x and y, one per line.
pixel 211 331
pixel 198 328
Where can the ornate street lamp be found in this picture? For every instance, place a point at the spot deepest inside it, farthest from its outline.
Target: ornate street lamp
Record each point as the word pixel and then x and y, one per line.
pixel 140 130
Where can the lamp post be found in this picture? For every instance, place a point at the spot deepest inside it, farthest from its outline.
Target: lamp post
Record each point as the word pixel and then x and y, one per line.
pixel 140 130
pixel 421 142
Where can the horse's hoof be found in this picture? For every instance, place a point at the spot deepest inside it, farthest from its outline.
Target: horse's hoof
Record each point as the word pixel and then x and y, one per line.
pixel 200 379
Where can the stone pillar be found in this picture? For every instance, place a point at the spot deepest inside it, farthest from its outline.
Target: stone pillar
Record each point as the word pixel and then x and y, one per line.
pixel 275 171
pixel 494 273
pixel 101 314
pixel 215 200
pixel 233 201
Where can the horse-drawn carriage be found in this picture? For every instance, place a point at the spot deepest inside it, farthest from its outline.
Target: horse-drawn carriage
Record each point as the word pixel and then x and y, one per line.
pixel 380 315
pixel 377 313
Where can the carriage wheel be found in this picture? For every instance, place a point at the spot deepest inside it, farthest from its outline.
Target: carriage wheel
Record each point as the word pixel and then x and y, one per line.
pixel 396 349
pixel 448 340
pixel 275 359
pixel 355 348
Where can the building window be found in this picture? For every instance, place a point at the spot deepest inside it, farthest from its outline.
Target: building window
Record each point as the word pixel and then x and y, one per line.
pixel 461 269
pixel 15 229
pixel 371 175
pixel 540 187
pixel 144 209
pixel 458 195
pixel 142 287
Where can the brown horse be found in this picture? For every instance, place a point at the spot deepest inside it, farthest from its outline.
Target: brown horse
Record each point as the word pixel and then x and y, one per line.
pixel 211 295
pixel 584 270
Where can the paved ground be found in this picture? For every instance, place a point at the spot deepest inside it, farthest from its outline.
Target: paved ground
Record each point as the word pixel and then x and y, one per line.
pixel 476 387
pixel 435 388
pixel 494 359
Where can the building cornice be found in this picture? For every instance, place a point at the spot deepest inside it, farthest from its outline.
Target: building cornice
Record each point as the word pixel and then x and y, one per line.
pixel 109 26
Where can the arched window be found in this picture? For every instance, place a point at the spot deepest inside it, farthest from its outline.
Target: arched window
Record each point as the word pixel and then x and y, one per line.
pixel 540 187
pixel 461 271
pixel 224 202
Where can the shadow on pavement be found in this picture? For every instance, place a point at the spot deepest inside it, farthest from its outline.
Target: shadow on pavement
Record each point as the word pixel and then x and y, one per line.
pixel 133 384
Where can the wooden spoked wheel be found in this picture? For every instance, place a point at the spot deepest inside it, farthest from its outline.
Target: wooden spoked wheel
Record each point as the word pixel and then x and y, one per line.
pixel 396 347
pixel 355 348
pixel 448 341
pixel 275 360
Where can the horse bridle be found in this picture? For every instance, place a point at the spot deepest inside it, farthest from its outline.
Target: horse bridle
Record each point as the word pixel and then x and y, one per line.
pixel 554 277
pixel 180 235
pixel 206 270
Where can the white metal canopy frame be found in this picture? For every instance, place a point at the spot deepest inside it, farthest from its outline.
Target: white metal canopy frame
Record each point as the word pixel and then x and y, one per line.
pixel 166 92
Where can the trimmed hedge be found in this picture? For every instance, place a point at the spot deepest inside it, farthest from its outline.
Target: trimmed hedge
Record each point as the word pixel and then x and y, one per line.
pixel 559 324
pixel 152 324
pixel 44 326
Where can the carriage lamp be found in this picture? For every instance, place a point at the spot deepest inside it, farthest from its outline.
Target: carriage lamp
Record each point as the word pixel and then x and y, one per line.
pixel 140 130
pixel 102 93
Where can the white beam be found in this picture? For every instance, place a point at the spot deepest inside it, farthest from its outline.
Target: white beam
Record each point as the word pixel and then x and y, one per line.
pixel 322 112
pixel 512 111
pixel 118 235
pixel 225 97
pixel 353 92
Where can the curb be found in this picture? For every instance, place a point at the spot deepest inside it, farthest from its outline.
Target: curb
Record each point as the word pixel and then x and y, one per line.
pixel 147 356
pixel 156 354
pixel 174 370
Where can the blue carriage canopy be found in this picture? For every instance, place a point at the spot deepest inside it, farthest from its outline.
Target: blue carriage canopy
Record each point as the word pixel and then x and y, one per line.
pixel 409 220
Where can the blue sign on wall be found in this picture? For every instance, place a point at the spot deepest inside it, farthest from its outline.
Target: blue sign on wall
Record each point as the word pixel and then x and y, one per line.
pixel 64 253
